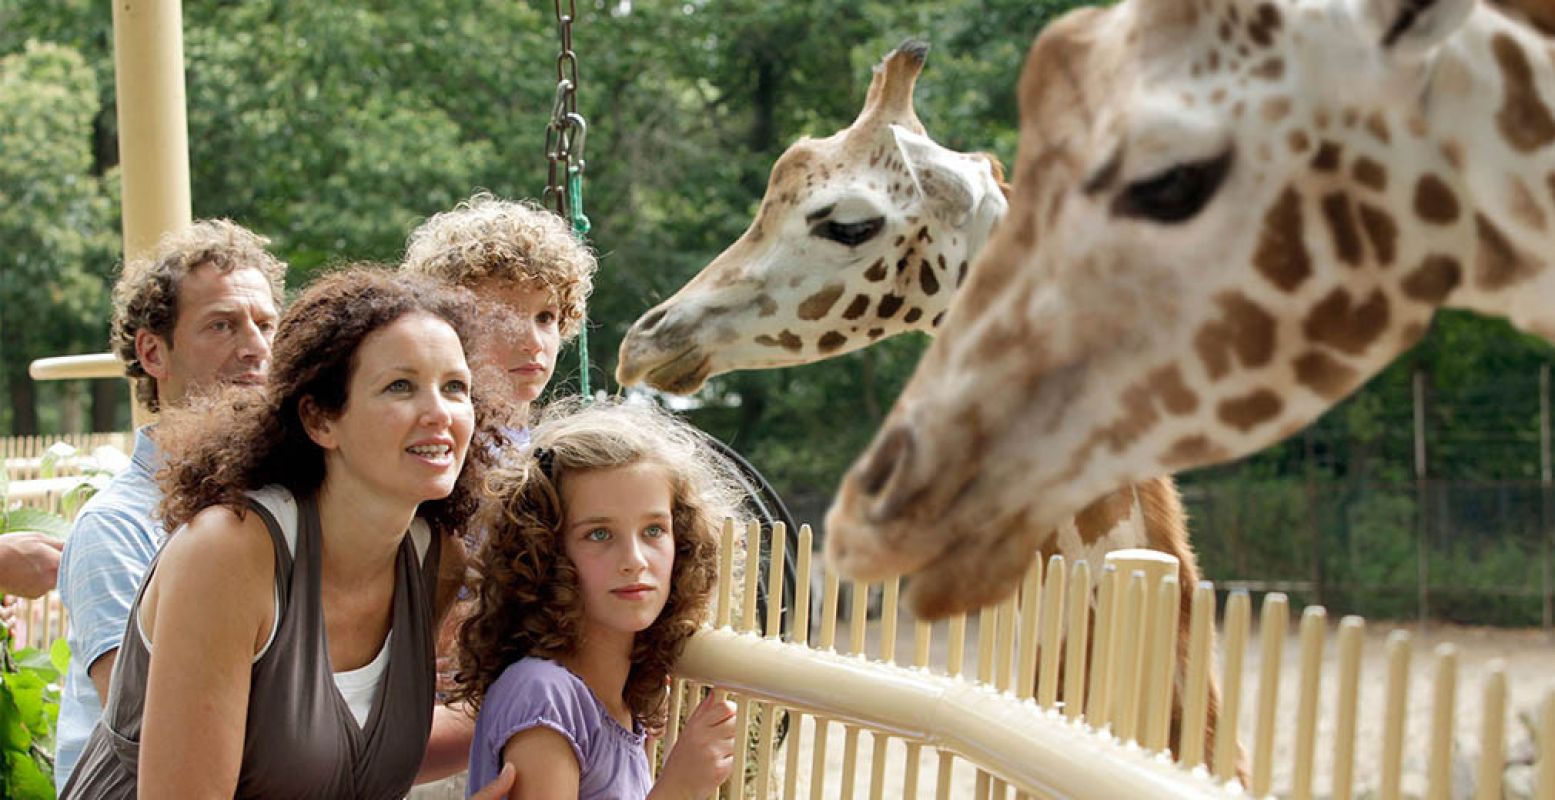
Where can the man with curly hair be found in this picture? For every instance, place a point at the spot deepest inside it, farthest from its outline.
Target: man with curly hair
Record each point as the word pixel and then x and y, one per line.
pixel 523 261
pixel 199 312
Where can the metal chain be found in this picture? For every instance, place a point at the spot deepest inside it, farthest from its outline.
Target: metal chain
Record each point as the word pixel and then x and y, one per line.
pixel 567 133
pixel 565 138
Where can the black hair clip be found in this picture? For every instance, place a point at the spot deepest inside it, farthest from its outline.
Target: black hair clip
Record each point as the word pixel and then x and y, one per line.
pixel 545 457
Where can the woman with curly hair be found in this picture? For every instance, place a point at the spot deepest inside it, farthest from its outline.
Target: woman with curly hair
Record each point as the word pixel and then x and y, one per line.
pixel 281 643
pixel 600 557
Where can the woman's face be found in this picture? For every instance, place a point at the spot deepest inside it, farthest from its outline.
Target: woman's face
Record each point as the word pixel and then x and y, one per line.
pixel 530 335
pixel 620 537
pixel 408 417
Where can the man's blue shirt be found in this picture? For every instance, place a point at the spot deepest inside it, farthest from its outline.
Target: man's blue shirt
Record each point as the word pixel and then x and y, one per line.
pixel 110 547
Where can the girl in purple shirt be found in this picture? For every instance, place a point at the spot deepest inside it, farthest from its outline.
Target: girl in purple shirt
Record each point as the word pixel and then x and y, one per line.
pixel 599 562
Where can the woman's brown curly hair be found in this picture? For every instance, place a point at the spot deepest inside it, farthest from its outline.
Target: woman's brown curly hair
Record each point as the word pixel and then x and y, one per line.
pixel 243 438
pixel 526 599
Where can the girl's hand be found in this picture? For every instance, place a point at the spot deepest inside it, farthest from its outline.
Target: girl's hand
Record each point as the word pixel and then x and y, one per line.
pixel 703 756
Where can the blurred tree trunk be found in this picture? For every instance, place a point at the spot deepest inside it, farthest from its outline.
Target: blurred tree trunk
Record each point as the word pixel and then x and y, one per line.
pixel 24 406
pixel 106 397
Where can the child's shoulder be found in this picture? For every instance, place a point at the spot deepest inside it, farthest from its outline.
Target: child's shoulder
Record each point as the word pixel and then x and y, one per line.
pixel 538 677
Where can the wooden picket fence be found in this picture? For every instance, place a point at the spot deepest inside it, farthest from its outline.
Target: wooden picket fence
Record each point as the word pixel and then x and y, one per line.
pixel 1040 719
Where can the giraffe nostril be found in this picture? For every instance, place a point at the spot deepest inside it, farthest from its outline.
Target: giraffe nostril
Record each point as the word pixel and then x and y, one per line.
pixel 651 321
pixel 883 476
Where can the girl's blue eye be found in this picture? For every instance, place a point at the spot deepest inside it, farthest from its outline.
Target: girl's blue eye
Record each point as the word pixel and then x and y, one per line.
pixel 597 535
pixel 400 385
pixel 655 531
pixel 456 387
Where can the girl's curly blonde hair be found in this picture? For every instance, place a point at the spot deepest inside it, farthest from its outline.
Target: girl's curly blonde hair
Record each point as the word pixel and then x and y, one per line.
pixel 526 597
pixel 485 237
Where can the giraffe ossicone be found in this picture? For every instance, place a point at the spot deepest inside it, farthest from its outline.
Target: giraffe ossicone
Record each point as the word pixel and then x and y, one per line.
pixel 1226 215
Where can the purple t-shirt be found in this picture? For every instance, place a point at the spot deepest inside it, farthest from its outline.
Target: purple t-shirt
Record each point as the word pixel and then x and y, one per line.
pixel 537 692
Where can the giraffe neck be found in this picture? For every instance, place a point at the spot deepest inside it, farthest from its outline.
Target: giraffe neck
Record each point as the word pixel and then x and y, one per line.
pixel 1490 133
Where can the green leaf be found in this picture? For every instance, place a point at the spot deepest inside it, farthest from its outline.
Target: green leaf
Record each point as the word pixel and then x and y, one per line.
pixel 37 661
pixel 13 733
pixel 27 693
pixel 57 452
pixel 59 655
pixel 27 780
pixel 32 519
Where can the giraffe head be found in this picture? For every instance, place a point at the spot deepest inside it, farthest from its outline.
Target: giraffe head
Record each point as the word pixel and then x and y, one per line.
pixel 1227 214
pixel 861 235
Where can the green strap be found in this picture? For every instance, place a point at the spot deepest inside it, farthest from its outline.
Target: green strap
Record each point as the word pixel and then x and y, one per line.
pixel 580 229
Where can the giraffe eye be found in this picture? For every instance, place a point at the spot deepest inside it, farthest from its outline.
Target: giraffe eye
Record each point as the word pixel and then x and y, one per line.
pixel 851 234
pixel 1175 195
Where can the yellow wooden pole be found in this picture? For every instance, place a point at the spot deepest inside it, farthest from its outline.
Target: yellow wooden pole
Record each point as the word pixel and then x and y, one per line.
pixel 148 48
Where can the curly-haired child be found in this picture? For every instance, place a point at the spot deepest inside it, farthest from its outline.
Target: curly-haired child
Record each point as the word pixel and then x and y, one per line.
pixel 600 558
pixel 524 261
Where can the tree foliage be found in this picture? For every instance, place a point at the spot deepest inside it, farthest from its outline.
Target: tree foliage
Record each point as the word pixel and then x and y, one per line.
pixel 335 128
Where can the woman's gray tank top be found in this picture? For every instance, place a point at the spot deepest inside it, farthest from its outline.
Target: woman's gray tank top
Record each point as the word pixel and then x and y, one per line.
pixel 300 739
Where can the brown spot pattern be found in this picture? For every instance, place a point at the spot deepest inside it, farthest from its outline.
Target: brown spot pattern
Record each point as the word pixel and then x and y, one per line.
pixel 1369 173
pixel 1329 377
pixel 1275 108
pixel 889 306
pixel 765 305
pixel 876 271
pixel 1498 264
pixel 1434 279
pixel 1099 518
pixel 1174 394
pixel 927 279
pixel 1191 451
pixel 1327 157
pixel 818 305
pixel 1434 201
pixel 786 340
pixel 1346 326
pixel 1524 119
pixel 1265 21
pixel 1271 69
pixel 1453 152
pixel 1282 256
pixel 1524 206
pixel 831 341
pixel 1250 410
pixel 1244 329
pixel 856 308
pixel 1378 127
pixel 1299 141
pixel 1340 218
pixel 1381 231
pixel 913 315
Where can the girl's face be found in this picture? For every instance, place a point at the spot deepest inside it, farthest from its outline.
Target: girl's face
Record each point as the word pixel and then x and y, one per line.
pixel 619 535
pixel 408 417
pixel 527 354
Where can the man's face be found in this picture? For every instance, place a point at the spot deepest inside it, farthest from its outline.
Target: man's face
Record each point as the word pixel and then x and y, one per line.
pixel 222 334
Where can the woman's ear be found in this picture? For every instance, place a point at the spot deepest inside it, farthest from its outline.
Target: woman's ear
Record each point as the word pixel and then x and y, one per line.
pixel 320 428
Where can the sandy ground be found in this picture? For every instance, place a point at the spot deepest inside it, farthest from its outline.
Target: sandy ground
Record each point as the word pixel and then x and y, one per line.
pixel 1526 656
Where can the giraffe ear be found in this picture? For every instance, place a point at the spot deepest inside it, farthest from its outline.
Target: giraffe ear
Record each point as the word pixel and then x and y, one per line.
pixel 943 176
pixel 1409 29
